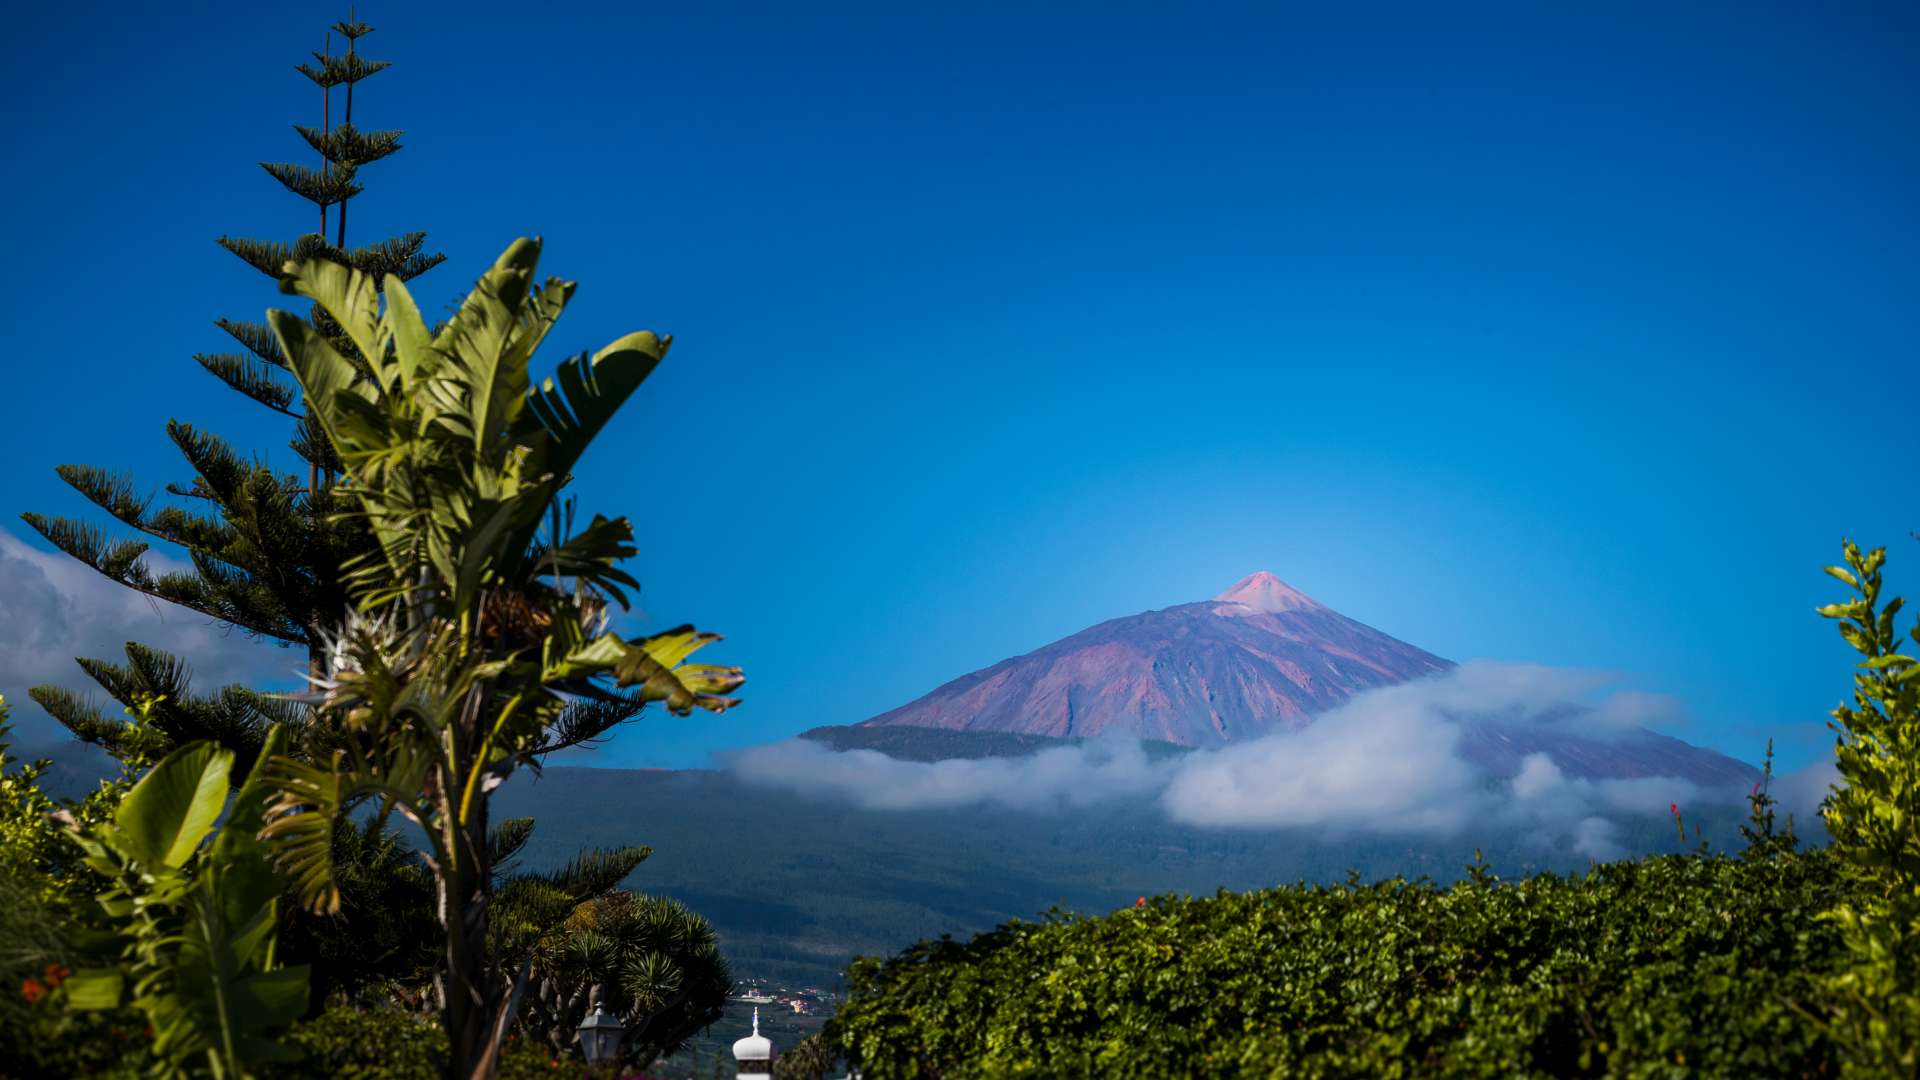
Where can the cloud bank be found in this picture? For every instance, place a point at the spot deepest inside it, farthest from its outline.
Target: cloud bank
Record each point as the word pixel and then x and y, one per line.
pixel 56 609
pixel 1388 761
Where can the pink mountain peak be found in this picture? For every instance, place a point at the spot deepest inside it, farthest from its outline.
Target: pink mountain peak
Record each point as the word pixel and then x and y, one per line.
pixel 1267 594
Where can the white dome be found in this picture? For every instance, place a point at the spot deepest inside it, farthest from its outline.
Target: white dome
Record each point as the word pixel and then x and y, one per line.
pixel 755 1047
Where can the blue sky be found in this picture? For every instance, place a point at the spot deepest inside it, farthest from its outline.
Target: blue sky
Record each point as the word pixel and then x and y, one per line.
pixel 1576 339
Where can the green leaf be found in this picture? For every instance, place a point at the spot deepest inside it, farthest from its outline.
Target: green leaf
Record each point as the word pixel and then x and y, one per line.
pixel 412 343
pixel 656 665
pixel 571 408
pixel 246 879
pixel 94 988
pixel 162 820
pixel 324 375
pixel 347 295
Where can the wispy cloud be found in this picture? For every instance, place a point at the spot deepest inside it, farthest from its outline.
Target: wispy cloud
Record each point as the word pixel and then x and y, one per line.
pixel 1082 775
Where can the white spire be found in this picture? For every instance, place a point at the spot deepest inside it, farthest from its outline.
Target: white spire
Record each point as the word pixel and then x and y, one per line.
pixel 754 1053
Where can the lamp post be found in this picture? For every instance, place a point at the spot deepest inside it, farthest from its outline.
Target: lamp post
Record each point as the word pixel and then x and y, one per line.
pixel 600 1038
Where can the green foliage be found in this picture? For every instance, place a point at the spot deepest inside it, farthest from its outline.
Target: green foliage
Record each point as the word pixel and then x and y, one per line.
pixel 379 1043
pixel 808 1059
pixel 1874 817
pixel 1762 832
pixel 45 912
pixel 480 618
pixel 645 959
pixel 1676 966
pixel 384 936
pixel 195 921
pixel 34 847
pixel 385 1043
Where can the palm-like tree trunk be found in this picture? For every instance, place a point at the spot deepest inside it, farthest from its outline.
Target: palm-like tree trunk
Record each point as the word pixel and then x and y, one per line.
pixel 475 997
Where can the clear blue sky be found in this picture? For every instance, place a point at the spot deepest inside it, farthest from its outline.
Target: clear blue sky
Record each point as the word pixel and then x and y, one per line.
pixel 1517 334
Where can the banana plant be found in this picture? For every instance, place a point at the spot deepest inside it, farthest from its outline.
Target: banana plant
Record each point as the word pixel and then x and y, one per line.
pixel 196 921
pixel 481 619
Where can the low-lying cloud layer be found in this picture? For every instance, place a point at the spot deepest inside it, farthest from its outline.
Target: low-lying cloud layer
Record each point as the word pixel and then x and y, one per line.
pixel 56 609
pixel 1387 761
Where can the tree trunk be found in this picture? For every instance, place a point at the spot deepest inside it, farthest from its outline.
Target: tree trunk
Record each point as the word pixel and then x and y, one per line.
pixel 474 996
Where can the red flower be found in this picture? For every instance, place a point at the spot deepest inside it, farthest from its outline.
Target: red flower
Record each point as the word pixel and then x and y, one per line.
pixel 32 990
pixel 1673 808
pixel 1142 902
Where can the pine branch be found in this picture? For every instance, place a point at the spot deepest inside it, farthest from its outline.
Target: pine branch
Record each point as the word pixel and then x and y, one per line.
pixel 352 31
pixel 176 526
pixel 399 257
pixel 320 188
pixel 219 469
pixel 270 709
pixel 349 147
pixel 189 590
pixel 87 721
pixel 586 719
pixel 218 587
pixel 594 872
pixel 250 377
pixel 112 492
pixel 117 559
pixel 349 69
pixel 271 257
pixel 256 339
pixel 325 76
pixel 311 443
pixel 159 673
pixel 228 717
pixel 505 840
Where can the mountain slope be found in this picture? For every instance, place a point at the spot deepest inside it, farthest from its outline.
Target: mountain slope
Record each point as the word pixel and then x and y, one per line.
pixel 1259 658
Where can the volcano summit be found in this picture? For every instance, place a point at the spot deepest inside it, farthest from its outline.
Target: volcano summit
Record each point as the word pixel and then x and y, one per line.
pixel 1259 658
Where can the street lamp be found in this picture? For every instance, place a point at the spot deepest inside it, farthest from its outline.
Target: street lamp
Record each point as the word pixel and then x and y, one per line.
pixel 600 1037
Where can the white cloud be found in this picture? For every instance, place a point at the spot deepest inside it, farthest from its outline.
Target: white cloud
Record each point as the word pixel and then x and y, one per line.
pixel 56 609
pixel 1387 761
pixel 1598 839
pixel 1068 775
pixel 1384 758
pixel 1801 791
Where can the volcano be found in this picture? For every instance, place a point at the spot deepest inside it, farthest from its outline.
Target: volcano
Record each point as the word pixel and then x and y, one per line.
pixel 1260 658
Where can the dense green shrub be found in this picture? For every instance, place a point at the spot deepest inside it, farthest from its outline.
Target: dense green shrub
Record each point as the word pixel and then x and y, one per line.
pixel 1679 965
pixel 1872 816
pixel 384 1043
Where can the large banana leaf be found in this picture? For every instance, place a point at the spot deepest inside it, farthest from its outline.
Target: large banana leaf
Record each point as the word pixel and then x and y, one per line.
pixel 489 341
pixel 349 296
pixel 161 822
pixel 569 410
pixel 246 882
pixel 200 935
